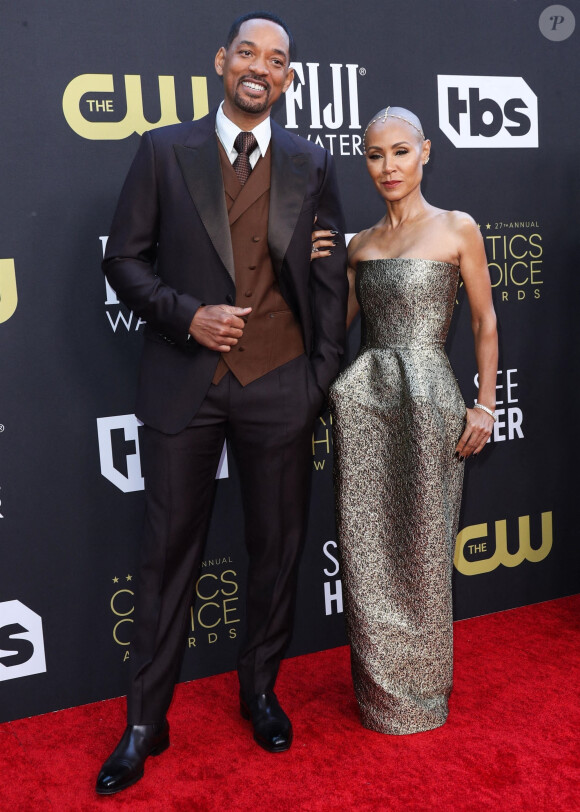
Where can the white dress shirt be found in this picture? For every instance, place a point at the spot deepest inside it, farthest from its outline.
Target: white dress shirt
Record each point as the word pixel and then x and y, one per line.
pixel 227 133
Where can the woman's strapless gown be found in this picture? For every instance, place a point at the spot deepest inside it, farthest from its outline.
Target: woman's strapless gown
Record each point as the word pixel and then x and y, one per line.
pixel 398 414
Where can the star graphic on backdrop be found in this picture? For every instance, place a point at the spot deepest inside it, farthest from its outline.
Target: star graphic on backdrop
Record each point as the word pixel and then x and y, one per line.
pixel 479 225
pixel 488 226
pixel 115 580
pixel 129 578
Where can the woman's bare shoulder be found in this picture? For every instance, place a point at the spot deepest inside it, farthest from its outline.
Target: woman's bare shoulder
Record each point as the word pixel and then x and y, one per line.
pixel 460 222
pixel 358 243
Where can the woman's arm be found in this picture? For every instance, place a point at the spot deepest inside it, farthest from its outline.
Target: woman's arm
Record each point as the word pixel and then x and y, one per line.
pixel 475 275
pixel 353 305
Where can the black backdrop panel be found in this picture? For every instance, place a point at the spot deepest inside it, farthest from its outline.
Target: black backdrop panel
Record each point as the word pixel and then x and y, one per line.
pixel 497 94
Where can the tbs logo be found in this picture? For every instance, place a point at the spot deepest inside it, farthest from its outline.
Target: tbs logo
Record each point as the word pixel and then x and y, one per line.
pixel 21 641
pixel 488 111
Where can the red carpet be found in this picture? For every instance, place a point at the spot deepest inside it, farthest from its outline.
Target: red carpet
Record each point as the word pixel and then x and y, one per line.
pixel 511 742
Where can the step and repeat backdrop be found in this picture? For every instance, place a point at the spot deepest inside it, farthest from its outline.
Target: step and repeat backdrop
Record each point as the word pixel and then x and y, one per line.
pixel 495 85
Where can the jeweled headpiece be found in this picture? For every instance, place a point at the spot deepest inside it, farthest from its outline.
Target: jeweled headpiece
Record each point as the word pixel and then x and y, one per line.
pixel 383 117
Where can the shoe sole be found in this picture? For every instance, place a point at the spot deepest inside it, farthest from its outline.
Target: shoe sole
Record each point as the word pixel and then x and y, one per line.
pixel 114 790
pixel 273 749
pixel 157 750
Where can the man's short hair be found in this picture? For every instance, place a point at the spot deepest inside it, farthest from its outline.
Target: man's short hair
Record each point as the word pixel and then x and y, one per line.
pixel 261 15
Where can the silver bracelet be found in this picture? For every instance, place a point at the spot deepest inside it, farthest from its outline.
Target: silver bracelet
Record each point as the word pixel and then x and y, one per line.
pixel 483 408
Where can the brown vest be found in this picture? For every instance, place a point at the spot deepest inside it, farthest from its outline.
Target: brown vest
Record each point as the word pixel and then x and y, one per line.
pixel 272 335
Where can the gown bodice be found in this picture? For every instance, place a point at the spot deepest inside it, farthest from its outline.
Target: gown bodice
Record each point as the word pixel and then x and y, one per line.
pixel 406 308
pixel 405 302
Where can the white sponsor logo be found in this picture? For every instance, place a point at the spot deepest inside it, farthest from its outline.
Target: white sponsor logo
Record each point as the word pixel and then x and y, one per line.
pixel 510 418
pixel 488 111
pixel 128 424
pixel 130 479
pixel 332 589
pixel 117 314
pixel 323 104
pixel 21 641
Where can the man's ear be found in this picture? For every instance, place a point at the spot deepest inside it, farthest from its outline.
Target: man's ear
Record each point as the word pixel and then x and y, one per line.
pixel 219 61
pixel 289 79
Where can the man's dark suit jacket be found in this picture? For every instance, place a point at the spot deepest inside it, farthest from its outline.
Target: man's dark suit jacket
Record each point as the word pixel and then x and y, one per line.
pixel 169 251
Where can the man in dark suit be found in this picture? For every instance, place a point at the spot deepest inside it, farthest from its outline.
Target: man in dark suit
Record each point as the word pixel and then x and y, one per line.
pixel 211 245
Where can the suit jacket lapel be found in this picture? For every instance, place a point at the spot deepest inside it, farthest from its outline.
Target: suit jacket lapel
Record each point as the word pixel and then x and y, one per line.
pixel 202 172
pixel 290 170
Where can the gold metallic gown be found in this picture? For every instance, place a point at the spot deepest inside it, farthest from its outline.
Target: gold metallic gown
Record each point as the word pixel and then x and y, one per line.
pixel 398 414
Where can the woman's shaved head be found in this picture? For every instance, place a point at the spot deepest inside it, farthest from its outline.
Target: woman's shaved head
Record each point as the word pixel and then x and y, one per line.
pixel 400 114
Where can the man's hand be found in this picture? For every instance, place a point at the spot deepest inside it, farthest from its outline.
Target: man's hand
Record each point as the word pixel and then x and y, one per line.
pixel 219 327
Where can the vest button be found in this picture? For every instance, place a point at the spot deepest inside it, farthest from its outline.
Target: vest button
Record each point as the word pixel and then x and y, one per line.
pixel 255 239
pixel 248 293
pixel 241 349
pixel 252 267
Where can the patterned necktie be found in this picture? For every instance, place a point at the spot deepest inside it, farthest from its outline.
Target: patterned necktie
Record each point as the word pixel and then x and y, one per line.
pixel 244 144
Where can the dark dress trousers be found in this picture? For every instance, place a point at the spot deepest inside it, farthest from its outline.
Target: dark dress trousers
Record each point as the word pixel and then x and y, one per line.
pixel 173 246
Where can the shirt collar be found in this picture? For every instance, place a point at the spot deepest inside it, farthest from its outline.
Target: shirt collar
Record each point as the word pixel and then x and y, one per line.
pixel 227 132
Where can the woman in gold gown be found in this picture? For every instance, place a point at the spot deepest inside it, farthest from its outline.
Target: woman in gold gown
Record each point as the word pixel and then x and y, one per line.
pixel 402 433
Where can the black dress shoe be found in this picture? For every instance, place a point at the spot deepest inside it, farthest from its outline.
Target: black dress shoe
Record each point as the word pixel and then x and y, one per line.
pixel 272 728
pixel 124 766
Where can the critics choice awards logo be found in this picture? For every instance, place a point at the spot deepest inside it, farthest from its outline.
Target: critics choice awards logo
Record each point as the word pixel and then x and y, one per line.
pixel 322 104
pixel 515 258
pixel 515 255
pixel 213 616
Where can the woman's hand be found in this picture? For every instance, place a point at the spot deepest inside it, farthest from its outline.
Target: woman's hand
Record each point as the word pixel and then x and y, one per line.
pixel 322 243
pixel 479 426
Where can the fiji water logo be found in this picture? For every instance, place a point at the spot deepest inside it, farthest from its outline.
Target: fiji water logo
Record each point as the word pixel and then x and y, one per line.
pixel 323 105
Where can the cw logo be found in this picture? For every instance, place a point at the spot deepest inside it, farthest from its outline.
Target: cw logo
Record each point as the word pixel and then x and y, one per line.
pixel 21 635
pixel 501 554
pixel 8 294
pixel 74 104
